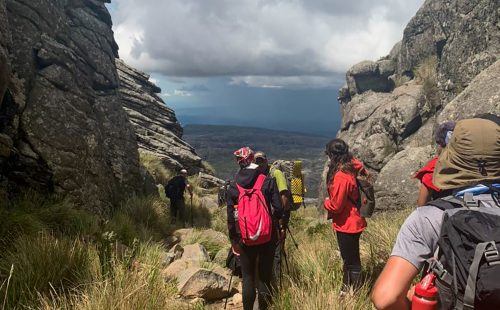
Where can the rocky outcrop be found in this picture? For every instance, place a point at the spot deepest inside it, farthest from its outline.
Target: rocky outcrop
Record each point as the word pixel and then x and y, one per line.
pixel 481 96
pixel 395 184
pixel 463 34
pixel 62 109
pixel 156 127
pixel 375 124
pixel 446 67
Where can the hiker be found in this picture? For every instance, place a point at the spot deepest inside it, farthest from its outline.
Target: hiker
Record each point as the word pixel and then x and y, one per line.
pixel 429 191
pixel 174 190
pixel 341 205
pixel 253 212
pixel 279 177
pixel 470 167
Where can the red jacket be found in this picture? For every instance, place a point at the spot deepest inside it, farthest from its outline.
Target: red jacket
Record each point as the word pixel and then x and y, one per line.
pixel 343 194
pixel 425 174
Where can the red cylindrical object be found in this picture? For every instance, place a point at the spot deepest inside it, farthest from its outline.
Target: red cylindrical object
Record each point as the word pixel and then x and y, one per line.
pixel 426 294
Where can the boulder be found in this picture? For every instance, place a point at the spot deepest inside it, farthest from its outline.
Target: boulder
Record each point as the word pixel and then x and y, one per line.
pixel 370 75
pixel 195 252
pixel 481 96
pixel 203 283
pixel 237 299
pixel 173 254
pixel 208 181
pixel 221 256
pixel 395 187
pixel 176 267
pixel 375 124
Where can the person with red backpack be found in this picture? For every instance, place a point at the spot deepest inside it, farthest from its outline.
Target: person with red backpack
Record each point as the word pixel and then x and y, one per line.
pixel 457 236
pixel 253 213
pixel 341 204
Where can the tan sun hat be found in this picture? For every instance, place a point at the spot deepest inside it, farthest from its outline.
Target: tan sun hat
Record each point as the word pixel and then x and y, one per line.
pixel 471 157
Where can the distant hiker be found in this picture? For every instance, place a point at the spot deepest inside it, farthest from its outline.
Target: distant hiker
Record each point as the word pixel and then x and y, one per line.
pixel 253 212
pixel 174 190
pixel 342 207
pixel 279 177
pixel 459 235
pixel 429 191
pixel 222 194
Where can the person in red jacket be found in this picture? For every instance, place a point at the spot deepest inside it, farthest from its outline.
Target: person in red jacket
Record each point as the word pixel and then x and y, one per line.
pixel 429 191
pixel 341 206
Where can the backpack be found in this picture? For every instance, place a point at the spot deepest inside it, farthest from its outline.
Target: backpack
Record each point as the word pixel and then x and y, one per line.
pixel 467 262
pixel 366 197
pixel 170 190
pixel 294 180
pixel 254 218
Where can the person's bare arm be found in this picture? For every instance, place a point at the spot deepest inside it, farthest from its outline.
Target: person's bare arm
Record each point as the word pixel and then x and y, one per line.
pixel 424 195
pixel 391 289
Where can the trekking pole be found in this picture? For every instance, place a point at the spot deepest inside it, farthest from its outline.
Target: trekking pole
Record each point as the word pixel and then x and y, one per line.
pixel 286 260
pixel 191 210
pixel 228 290
pixel 293 239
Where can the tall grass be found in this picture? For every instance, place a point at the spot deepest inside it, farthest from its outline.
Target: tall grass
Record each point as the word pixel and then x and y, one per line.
pixel 426 74
pixel 315 276
pixel 155 167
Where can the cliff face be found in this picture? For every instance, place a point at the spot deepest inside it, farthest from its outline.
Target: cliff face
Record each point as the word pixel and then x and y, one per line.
pixel 70 122
pixel 156 127
pixel 445 68
pixel 61 114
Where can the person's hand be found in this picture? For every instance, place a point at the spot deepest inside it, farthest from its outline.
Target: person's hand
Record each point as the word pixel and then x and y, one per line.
pixel 282 234
pixel 236 249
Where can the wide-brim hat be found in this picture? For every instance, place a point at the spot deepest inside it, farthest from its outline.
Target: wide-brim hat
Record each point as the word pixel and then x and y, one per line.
pixel 471 157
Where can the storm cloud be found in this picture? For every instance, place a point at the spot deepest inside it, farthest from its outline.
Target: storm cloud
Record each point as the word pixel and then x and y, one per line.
pixel 262 43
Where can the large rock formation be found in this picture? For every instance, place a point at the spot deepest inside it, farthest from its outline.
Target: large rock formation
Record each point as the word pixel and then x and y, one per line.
pixel 390 107
pixel 62 110
pixel 156 127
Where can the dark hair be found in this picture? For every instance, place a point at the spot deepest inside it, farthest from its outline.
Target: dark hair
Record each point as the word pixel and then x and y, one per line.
pixel 442 133
pixel 340 158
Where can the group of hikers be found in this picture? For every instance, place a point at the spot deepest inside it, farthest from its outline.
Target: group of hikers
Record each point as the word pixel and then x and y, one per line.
pixel 451 239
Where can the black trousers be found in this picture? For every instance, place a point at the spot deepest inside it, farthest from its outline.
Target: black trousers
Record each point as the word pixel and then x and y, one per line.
pixel 349 250
pixel 177 209
pixel 257 261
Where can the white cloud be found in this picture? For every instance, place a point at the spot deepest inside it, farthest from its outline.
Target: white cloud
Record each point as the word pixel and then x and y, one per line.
pixel 257 40
pixel 182 93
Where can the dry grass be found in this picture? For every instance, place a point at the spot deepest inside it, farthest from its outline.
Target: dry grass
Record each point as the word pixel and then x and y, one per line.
pixel 315 276
pixel 426 75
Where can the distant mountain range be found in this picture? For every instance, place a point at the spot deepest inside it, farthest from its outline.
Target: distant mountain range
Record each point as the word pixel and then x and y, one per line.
pixel 216 145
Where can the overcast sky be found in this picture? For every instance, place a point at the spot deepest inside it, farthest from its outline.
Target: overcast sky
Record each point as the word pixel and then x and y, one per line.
pixel 231 61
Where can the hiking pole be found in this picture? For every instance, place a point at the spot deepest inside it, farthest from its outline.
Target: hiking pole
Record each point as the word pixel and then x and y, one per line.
pixel 286 260
pixel 228 290
pixel 191 210
pixel 293 239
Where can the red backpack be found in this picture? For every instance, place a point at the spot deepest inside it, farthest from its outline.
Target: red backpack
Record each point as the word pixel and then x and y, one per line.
pixel 254 218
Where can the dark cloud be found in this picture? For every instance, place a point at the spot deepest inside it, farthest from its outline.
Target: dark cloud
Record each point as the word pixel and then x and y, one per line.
pixel 257 39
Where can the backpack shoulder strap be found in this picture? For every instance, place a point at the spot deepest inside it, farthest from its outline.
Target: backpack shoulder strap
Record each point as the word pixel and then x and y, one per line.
pixel 259 182
pixel 446 203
